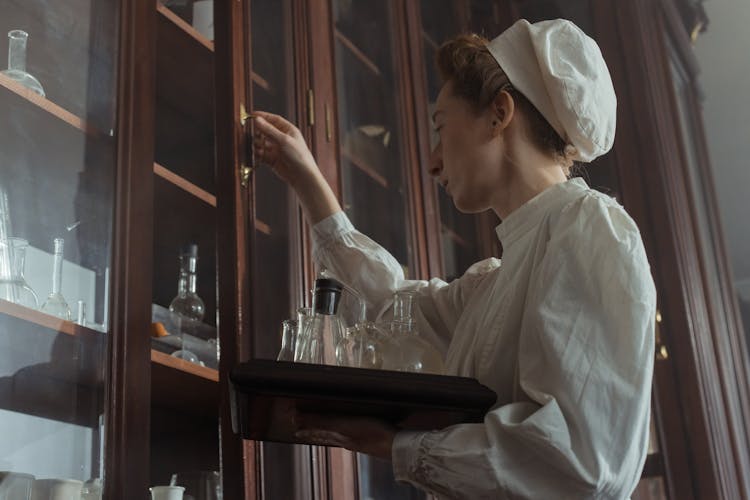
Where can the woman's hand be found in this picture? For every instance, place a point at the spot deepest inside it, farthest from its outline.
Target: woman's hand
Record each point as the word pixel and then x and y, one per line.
pixel 279 144
pixel 361 434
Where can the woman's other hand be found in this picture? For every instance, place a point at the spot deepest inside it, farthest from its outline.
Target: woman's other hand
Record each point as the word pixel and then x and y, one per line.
pixel 361 434
pixel 279 144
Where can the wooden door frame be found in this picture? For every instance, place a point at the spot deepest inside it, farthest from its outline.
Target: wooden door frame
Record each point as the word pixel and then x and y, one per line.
pixel 128 377
pixel 702 432
pixel 234 217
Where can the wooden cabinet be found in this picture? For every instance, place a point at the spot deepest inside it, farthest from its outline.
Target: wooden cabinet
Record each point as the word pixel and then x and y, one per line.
pixel 141 146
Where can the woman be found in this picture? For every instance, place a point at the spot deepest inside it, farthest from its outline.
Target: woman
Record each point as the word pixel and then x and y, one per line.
pixel 562 331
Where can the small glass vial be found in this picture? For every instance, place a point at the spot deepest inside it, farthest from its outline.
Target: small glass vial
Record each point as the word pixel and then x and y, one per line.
pixel 56 305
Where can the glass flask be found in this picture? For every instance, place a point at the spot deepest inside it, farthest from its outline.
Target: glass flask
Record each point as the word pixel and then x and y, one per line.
pixel 322 330
pixel 288 337
pixel 363 346
pixel 56 305
pixel 13 286
pixel 187 307
pixel 17 40
pixel 407 351
pixel 303 315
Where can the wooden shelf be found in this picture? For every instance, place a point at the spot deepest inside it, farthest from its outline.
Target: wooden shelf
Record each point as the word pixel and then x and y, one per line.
pixel 46 105
pixel 46 321
pixel 365 167
pixel 184 184
pixel 261 82
pixel 184 387
pixel 455 236
pixel 180 23
pixel 346 42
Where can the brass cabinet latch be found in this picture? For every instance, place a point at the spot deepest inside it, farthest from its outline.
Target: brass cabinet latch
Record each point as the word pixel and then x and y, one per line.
pixel 661 349
pixel 248 162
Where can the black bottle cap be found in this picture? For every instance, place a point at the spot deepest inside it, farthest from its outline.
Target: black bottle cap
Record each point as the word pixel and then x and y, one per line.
pixel 326 296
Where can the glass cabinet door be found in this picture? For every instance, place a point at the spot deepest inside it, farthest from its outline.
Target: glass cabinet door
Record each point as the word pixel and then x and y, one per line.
pixel 275 252
pixel 374 157
pixel 57 180
pixel 184 346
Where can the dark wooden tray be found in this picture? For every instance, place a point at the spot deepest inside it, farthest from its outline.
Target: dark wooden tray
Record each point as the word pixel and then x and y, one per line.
pixel 266 395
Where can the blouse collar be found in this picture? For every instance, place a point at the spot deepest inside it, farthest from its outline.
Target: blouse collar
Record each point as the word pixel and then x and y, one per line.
pixel 531 213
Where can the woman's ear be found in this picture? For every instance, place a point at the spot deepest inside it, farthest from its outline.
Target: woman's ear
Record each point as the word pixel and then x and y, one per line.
pixel 503 109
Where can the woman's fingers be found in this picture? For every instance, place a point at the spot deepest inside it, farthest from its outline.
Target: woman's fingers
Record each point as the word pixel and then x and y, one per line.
pixel 268 128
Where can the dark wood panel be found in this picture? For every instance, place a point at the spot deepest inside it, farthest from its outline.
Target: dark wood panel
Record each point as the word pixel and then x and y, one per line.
pixel 185 388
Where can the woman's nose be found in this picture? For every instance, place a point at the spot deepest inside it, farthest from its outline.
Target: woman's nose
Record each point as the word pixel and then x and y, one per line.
pixel 435 166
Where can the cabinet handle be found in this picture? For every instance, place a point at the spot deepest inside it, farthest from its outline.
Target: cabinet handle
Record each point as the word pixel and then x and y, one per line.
pixel 311 107
pixel 248 162
pixel 661 349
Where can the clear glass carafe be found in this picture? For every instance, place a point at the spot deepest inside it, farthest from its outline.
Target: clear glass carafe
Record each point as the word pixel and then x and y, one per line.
pixel 13 286
pixel 56 305
pixel 322 330
pixel 407 351
pixel 17 40
pixel 187 307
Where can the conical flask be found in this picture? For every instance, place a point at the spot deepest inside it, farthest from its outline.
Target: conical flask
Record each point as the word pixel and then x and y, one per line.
pixel 17 40
pixel 407 351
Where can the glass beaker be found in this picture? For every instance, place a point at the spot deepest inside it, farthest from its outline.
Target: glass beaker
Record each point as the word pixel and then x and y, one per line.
pixel 56 305
pixel 201 485
pixel 17 40
pixel 363 346
pixel 288 335
pixel 407 351
pixel 13 286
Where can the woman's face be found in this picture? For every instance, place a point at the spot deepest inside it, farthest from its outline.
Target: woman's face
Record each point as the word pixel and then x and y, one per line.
pixel 467 158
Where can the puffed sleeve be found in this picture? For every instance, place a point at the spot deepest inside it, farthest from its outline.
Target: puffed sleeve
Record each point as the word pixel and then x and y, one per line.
pixel 585 369
pixel 362 264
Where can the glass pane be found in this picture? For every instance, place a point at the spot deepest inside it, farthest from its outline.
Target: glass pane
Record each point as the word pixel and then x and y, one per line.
pixel 57 178
pixel 373 158
pixel 653 436
pixel 184 376
pixel 651 488
pixel 724 79
pixel 460 233
pixel 374 170
pixel 286 468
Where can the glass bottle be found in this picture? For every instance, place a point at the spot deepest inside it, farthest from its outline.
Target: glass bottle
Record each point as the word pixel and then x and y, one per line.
pixel 187 307
pixel 13 286
pixel 407 350
pixel 17 40
pixel 323 329
pixel 55 305
pixel 363 346
pixel 187 303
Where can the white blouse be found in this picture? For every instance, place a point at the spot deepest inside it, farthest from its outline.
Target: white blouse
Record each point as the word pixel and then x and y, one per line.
pixel 562 331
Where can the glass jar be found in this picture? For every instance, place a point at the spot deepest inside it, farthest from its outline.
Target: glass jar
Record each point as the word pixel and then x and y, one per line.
pixel 13 286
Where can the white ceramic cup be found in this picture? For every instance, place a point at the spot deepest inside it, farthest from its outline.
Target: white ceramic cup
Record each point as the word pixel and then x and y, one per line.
pixel 56 489
pixel 167 492
pixel 203 17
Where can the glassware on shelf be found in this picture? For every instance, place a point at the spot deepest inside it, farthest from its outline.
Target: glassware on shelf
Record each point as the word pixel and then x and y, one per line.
pixel 55 305
pixel 17 40
pixel 323 329
pixel 81 316
pixel 187 307
pixel 13 286
pixel 200 485
pixel 288 340
pixel 407 351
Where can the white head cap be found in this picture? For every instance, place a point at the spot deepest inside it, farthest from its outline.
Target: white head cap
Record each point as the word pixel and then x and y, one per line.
pixel 561 71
